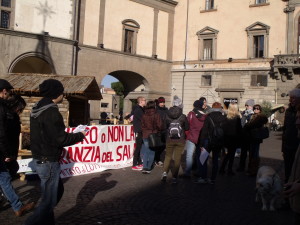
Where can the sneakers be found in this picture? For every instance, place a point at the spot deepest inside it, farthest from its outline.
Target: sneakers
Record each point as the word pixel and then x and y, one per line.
pixel 146 171
pixel 174 180
pixel 139 167
pixel 200 181
pixel 160 164
pixel 24 208
pixel 164 176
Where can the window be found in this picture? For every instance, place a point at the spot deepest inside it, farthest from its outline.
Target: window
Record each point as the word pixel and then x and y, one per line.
pixel 207 49
pixel 104 105
pixel 260 1
pixel 258 46
pixel 129 40
pixel 258 40
pixel 4 19
pixel 206 80
pixel 6 13
pixel 116 106
pixel 207 43
pixel 209 4
pixel 259 80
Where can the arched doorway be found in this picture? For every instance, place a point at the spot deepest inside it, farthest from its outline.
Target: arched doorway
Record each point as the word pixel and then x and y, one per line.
pixel 31 63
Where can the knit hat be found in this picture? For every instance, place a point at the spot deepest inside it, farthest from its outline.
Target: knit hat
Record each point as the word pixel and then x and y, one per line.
pixel 177 101
pixel 4 84
pixel 198 104
pixel 216 105
pixel 161 99
pixel 250 102
pixel 51 88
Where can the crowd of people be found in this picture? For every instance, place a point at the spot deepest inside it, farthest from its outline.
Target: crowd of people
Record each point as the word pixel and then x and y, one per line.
pixel 218 132
pixel 207 129
pixel 205 133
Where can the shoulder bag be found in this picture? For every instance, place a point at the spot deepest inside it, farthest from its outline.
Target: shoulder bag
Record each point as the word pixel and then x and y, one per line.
pixel 155 140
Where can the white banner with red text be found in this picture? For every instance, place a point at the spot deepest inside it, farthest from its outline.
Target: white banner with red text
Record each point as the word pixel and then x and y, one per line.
pixel 104 147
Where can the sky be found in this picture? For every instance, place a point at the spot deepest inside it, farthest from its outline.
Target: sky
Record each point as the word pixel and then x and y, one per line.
pixel 107 80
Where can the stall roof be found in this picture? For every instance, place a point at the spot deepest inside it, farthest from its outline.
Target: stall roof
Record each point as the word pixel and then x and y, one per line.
pixel 28 84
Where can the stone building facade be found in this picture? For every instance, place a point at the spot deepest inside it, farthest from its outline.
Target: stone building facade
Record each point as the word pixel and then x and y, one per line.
pixel 224 50
pixel 230 50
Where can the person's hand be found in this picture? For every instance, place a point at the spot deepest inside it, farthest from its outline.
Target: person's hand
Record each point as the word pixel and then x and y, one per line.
pixel 7 159
pixel 84 132
pixel 291 189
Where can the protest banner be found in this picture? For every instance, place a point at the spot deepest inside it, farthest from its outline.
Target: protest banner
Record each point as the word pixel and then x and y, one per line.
pixel 104 147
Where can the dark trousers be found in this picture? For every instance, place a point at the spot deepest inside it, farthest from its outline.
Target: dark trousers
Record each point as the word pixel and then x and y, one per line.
pixel 228 158
pixel 137 151
pixel 288 157
pixel 245 148
pixel 215 164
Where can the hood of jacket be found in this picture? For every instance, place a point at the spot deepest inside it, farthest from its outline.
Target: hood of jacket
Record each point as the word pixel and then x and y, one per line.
pixel 41 106
pixel 174 112
pixel 150 112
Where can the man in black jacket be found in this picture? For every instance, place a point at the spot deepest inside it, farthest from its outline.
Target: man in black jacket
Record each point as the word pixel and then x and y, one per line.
pixel 7 156
pixel 48 137
pixel 138 113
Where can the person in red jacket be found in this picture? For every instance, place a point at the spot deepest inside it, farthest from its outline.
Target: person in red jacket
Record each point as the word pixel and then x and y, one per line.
pixel 196 119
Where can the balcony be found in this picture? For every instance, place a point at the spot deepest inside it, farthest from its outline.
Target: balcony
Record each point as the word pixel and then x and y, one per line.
pixel 286 66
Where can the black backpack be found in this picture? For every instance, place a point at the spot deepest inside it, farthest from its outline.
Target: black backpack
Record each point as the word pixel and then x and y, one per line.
pixel 216 139
pixel 175 129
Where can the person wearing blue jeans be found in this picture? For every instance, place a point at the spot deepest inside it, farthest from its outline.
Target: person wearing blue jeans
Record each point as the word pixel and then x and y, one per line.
pixel 7 188
pixel 6 153
pixel 151 123
pixel 190 149
pixel 196 119
pixel 47 138
pixel 148 156
pixel 52 189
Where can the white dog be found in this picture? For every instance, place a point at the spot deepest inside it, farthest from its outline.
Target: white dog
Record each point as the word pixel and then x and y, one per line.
pixel 268 187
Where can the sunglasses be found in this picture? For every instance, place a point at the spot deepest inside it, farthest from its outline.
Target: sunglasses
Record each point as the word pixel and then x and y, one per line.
pixel 256 108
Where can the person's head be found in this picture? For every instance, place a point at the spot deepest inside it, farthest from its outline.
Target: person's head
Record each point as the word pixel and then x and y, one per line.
pixel 257 109
pixel 233 110
pixel 198 104
pixel 216 105
pixel 141 101
pixel 52 89
pixel 161 102
pixel 150 105
pixel 294 97
pixel 177 101
pixel 249 104
pixel 16 104
pixel 5 89
pixel 203 99
pixel 103 115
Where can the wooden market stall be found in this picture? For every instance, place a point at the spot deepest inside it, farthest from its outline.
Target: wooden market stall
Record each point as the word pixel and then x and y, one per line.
pixel 78 90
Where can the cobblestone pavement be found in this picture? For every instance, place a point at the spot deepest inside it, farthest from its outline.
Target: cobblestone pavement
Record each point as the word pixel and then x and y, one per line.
pixel 129 197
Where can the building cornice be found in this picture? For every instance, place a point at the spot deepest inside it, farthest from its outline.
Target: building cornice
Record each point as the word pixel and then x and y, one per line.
pixel 223 69
pixel 44 37
pixel 121 53
pixel 163 5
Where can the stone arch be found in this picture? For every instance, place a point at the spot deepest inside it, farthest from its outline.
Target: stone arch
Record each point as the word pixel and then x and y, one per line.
pixel 32 62
pixel 134 84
